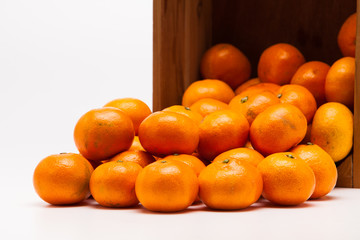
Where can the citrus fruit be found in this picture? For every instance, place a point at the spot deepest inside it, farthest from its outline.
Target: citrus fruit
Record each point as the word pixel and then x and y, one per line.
pixel 137 156
pixel 312 75
pixel 287 179
pixel 221 131
pixel 136 109
pixel 278 63
pixel 62 179
pixel 241 154
pixel 300 97
pixel 101 133
pixel 339 83
pixel 251 105
pixel 332 129
pixel 230 185
pixel 347 36
pixel 113 184
pixel 167 186
pixel 195 163
pixel 186 111
pixel 166 133
pixel 247 84
pixel 206 106
pixel 277 129
pixel 323 166
pixel 227 63
pixel 208 88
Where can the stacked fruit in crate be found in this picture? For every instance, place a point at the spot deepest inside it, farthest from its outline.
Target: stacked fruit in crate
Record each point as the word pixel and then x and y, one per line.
pixel 231 140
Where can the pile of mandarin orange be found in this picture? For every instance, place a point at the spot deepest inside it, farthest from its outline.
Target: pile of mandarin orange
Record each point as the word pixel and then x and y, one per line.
pixel 231 141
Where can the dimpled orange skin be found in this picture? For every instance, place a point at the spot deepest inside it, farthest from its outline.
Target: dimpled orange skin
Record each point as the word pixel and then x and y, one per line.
pixel 251 105
pixel 287 181
pixel 300 97
pixel 167 186
pixel 230 185
pixel 101 133
pixel 347 36
pixel 227 63
pixel 207 88
pixel 323 166
pixel 186 111
pixel 195 163
pixel 277 129
pixel 221 131
pixel 332 129
pixel 63 179
pixel 166 133
pixel 113 184
pixel 206 106
pixel 136 109
pixel 247 84
pixel 137 156
pixel 312 75
pixel 278 63
pixel 241 154
pixel 261 87
pixel 341 75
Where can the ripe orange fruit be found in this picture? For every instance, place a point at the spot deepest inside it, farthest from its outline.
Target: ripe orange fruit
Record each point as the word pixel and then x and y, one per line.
pixel 312 75
pixel 251 105
pixel 230 185
pixel 287 179
pixel 277 129
pixel 186 111
pixel 260 87
pixel 341 76
pixel 101 133
pixel 136 109
pixel 332 129
pixel 347 36
pixel 206 106
pixel 221 131
pixel 241 154
pixel 195 163
pixel 167 186
pixel 208 88
pixel 137 156
pixel 307 137
pixel 323 166
pixel 278 63
pixel 247 84
pixel 113 184
pixel 166 133
pixel 136 145
pixel 227 63
pixel 300 97
pixel 63 178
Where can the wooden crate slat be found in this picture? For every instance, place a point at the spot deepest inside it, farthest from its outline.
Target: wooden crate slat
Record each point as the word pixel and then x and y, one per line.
pixel 356 148
pixel 182 32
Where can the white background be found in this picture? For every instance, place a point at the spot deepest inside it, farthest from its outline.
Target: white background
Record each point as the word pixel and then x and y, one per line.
pixel 59 59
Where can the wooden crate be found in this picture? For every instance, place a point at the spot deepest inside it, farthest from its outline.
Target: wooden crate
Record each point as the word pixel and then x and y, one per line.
pixel 184 29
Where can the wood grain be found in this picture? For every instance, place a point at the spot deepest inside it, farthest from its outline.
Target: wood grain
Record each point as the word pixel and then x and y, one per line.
pixel 182 32
pixel 345 172
pixel 356 148
pixel 252 26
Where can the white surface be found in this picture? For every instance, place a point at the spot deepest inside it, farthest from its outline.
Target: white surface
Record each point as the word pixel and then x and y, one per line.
pixel 334 217
pixel 59 59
